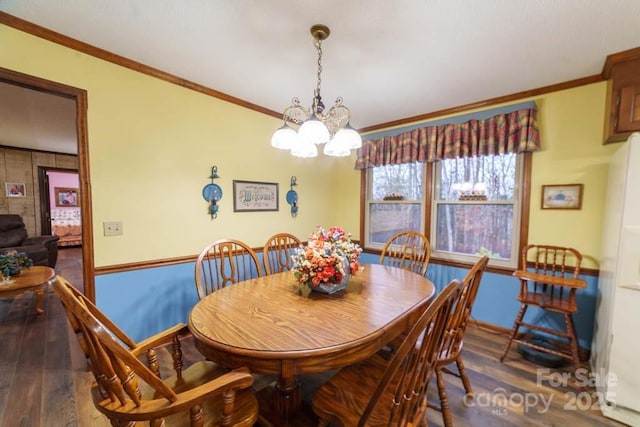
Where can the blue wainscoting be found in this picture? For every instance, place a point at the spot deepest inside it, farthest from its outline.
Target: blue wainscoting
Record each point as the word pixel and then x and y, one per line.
pixel 147 301
pixel 496 301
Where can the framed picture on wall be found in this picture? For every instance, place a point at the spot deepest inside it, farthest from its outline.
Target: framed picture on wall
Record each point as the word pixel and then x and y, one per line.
pixel 251 196
pixel 567 196
pixel 15 189
pixel 67 197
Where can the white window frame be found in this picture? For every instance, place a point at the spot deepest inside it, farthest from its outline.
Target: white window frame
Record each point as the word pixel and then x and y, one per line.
pixel 367 220
pixel 433 204
pixel 517 209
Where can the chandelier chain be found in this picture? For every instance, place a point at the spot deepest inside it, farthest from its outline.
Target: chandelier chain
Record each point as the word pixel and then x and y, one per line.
pixel 318 44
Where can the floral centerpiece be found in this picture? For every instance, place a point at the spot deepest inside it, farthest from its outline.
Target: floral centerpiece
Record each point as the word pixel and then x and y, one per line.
pixel 327 261
pixel 12 262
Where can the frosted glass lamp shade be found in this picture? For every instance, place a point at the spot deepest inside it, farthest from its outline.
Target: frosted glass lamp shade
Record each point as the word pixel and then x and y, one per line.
pixel 304 149
pixel 284 137
pixel 313 131
pixel 335 148
pixel 348 136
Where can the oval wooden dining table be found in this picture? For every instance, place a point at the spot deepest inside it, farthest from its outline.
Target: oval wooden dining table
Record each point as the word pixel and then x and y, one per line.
pixel 266 324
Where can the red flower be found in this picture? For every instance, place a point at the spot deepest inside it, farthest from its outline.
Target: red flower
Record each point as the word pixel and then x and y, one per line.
pixel 354 267
pixel 328 271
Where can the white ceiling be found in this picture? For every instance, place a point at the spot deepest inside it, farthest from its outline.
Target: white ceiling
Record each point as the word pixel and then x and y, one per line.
pixel 388 59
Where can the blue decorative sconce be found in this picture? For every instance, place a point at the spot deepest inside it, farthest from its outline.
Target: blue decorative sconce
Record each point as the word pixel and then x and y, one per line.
pixel 292 198
pixel 212 193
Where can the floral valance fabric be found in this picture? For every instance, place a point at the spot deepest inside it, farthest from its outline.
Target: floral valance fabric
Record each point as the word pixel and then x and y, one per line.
pixel 512 132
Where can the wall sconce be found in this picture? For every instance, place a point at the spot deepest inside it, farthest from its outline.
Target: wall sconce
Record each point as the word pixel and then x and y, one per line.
pixel 212 193
pixel 292 198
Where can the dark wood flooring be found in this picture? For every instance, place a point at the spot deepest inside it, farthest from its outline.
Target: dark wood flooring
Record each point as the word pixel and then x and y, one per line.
pixel 44 382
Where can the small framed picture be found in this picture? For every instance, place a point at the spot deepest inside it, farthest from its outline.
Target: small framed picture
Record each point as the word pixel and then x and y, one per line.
pixel 67 197
pixel 251 196
pixel 567 196
pixel 15 189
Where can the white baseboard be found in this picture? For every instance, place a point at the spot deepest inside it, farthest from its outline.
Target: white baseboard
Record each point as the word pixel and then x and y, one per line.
pixel 624 415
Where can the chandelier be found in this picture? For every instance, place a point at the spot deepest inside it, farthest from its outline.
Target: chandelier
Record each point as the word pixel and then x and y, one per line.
pixel 314 125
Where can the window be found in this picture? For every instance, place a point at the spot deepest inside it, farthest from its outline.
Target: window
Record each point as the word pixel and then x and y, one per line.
pixel 475 209
pixel 403 187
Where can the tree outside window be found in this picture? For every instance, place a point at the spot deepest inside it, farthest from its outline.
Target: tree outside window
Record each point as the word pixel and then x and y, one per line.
pixel 475 210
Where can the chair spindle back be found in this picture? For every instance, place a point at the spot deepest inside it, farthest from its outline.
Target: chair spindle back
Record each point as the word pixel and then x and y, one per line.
pixel 409 250
pixel 551 261
pixel 223 263
pixel 408 373
pixel 277 252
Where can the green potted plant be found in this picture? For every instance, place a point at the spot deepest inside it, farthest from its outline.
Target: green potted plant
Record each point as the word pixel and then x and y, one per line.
pixel 12 262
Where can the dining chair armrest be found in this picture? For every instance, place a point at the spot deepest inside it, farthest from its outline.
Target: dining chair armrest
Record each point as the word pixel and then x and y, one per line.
pixel 160 339
pixel 163 338
pixel 237 379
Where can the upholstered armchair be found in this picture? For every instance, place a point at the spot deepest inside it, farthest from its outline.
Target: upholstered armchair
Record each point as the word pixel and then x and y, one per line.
pixel 43 250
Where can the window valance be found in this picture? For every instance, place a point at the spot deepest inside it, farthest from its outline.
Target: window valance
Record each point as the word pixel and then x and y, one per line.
pixel 511 132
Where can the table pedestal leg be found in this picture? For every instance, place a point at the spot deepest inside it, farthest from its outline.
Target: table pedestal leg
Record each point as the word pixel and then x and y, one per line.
pixel 39 297
pixel 288 398
pixel 282 406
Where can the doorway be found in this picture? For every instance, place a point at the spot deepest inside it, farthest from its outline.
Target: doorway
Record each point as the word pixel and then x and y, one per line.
pixel 60 205
pixel 79 96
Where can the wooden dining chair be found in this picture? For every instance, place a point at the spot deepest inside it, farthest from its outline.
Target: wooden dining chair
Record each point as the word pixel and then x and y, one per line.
pixel 549 279
pixel 451 347
pixel 225 262
pixel 277 252
pixel 407 249
pixel 129 392
pixel 394 393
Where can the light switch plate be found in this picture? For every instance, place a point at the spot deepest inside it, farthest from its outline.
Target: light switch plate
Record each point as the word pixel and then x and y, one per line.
pixel 112 228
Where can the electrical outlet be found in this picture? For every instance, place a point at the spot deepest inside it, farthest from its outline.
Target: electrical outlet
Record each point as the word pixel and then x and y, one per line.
pixel 112 228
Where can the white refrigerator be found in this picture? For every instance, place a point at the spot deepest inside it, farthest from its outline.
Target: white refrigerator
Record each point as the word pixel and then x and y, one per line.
pixel 615 350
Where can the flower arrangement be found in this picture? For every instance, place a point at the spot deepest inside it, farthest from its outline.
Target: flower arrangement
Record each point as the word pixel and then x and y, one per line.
pixel 12 262
pixel 322 261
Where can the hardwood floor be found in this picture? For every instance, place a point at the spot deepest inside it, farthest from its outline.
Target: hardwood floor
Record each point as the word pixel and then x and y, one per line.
pixel 44 382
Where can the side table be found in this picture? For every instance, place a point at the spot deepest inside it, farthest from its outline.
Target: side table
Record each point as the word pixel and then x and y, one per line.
pixel 32 279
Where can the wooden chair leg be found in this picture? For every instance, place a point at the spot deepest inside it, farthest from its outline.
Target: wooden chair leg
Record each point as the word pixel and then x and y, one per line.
pixel 463 375
pixel 573 339
pixel 514 330
pixel 196 417
pixel 444 401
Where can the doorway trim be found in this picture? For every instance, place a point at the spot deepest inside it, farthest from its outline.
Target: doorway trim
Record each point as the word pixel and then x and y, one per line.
pixel 80 98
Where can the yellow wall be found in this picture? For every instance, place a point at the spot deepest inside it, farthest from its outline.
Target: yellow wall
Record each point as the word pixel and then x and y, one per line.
pixel 152 145
pixel 571 127
pixel 151 148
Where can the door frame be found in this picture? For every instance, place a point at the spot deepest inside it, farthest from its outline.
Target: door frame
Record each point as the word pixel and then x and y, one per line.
pixel 80 98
